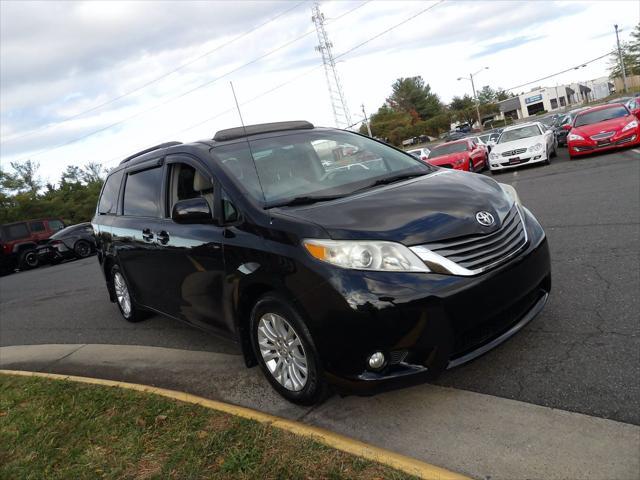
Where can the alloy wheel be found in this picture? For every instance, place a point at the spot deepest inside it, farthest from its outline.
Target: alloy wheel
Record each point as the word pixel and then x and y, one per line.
pixel 83 249
pixel 122 294
pixel 282 352
pixel 31 259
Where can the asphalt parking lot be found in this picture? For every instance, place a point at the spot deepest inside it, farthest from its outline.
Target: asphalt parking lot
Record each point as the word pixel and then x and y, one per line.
pixel 581 354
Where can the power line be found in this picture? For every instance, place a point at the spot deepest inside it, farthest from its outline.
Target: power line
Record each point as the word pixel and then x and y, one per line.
pixel 413 16
pixel 583 64
pixel 157 79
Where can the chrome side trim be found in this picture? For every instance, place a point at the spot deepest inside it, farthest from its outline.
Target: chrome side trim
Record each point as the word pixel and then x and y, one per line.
pixel 530 315
pixel 453 268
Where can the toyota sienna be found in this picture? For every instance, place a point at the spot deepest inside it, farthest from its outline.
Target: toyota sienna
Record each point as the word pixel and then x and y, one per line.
pixel 329 257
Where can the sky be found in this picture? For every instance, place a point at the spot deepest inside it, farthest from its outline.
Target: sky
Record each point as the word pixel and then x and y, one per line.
pixel 97 81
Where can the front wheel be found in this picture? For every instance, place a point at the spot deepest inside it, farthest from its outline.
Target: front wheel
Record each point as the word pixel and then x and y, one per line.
pixel 471 168
pixel 285 351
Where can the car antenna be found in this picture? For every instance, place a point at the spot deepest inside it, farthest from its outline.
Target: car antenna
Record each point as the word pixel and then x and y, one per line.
pixel 235 99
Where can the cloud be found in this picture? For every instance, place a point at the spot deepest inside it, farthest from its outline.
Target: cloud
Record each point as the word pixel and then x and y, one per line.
pixel 504 45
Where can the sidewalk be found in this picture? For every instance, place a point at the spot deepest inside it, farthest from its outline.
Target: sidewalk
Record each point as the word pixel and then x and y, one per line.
pixel 475 434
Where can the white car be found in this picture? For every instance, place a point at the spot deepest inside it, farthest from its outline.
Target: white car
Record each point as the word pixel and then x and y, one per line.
pixel 522 145
pixel 420 153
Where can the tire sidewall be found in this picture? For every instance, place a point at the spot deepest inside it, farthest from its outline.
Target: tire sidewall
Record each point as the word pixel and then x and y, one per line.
pixel 23 260
pixel 315 388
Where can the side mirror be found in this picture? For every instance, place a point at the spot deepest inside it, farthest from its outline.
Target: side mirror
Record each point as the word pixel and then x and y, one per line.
pixel 192 210
pixel 566 127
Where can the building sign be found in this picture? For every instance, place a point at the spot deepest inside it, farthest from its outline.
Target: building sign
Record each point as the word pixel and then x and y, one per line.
pixel 533 99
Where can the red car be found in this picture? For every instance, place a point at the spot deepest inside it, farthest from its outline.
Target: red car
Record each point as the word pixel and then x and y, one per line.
pixel 603 128
pixel 462 154
pixel 19 241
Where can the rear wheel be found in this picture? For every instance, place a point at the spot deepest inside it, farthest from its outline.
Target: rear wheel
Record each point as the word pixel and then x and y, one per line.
pixel 128 310
pixel 285 351
pixel 471 168
pixel 82 249
pixel 28 260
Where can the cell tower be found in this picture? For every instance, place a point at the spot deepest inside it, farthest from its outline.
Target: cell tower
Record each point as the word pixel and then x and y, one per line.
pixel 338 103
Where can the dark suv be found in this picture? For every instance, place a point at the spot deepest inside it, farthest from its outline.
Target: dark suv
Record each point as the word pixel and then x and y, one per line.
pixel 19 240
pixel 330 257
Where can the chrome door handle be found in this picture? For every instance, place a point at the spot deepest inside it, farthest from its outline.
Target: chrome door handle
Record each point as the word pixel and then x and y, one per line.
pixel 147 235
pixel 163 237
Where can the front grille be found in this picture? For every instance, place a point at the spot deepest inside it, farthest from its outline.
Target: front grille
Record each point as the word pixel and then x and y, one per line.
pixel 523 160
pixel 511 153
pixel 397 356
pixel 479 252
pixel 602 136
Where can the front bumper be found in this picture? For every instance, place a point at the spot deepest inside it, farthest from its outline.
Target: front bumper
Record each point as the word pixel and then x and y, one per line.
pixel 423 323
pixel 585 147
pixel 504 163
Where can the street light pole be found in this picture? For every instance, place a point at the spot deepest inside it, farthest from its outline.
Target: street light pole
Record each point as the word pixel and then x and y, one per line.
pixel 475 96
pixel 624 73
pixel 366 120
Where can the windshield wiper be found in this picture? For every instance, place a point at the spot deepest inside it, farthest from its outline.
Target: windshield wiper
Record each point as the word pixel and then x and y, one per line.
pixel 395 178
pixel 303 200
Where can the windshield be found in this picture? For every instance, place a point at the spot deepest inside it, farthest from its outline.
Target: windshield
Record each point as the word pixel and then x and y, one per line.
pixel 313 164
pixel 448 148
pixel 605 114
pixel 68 230
pixel 519 134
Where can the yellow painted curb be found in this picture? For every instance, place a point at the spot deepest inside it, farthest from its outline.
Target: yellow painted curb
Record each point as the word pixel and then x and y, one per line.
pixel 331 439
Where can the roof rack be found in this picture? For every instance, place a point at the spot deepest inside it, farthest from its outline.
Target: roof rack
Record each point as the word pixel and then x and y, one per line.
pixel 240 132
pixel 150 149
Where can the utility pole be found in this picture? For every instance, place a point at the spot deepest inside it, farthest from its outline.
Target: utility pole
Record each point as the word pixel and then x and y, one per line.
pixel 341 114
pixel 366 120
pixel 624 73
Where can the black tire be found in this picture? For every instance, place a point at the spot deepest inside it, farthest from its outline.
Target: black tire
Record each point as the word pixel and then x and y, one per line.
pixel 28 260
pixel 471 167
pixel 82 249
pixel 315 389
pixel 133 314
pixel 554 154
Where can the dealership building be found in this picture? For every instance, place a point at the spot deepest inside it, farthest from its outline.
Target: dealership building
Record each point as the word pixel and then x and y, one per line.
pixel 548 99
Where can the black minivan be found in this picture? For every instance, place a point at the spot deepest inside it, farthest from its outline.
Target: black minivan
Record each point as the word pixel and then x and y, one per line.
pixel 330 257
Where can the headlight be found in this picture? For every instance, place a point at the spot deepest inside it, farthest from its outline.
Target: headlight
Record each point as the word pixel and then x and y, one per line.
pixel 511 193
pixel 574 136
pixel 365 255
pixel 630 125
pixel 536 148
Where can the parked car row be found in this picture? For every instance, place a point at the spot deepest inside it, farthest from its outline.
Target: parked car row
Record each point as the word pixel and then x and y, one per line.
pixel 27 244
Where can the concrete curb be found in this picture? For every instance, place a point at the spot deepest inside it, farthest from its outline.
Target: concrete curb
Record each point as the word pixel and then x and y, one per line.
pixel 340 442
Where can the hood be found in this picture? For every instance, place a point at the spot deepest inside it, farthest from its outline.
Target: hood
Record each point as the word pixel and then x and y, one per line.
pixel 516 144
pixel 448 159
pixel 615 124
pixel 426 209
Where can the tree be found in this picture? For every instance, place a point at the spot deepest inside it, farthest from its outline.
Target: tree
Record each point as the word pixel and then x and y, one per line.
pixel 413 96
pixel 630 56
pixel 502 94
pixel 486 95
pixel 463 109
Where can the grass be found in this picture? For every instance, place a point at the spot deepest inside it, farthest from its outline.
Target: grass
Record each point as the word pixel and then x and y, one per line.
pixel 58 429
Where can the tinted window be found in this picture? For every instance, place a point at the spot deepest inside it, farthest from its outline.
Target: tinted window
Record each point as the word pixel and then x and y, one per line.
pixel 15 232
pixel 142 193
pixel 601 115
pixel 519 134
pixel 36 227
pixel 448 148
pixel 55 225
pixel 109 200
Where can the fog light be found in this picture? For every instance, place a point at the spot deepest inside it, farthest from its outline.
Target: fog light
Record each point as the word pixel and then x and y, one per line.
pixel 376 361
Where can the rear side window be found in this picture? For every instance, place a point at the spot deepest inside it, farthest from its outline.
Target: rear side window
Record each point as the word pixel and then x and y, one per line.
pixel 142 193
pixel 15 232
pixel 109 199
pixel 36 227
pixel 55 225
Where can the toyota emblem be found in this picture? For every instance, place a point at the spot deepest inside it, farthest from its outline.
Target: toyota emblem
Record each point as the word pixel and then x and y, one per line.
pixel 484 218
